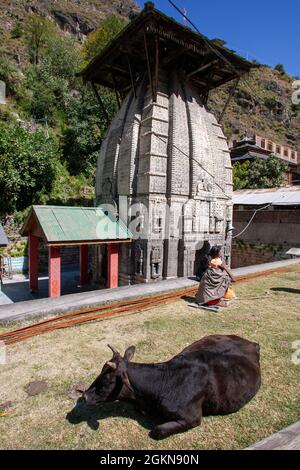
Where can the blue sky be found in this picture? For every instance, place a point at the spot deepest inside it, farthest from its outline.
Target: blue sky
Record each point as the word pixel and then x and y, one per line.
pixel 265 30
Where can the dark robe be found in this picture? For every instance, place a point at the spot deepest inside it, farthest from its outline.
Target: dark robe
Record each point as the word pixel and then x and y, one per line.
pixel 213 285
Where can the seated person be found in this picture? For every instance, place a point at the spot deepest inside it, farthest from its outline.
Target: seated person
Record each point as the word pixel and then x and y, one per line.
pixel 215 283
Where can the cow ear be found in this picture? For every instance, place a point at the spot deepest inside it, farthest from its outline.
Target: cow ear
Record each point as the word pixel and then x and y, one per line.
pixel 129 353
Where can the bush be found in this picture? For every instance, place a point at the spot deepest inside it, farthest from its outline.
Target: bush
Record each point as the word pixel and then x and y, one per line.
pixel 10 75
pixel 17 31
pixel 280 68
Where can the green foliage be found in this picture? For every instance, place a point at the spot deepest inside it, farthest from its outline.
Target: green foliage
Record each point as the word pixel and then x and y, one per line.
pixel 61 58
pixel 295 108
pixel 259 174
pixel 18 248
pixel 270 103
pixel 84 130
pixel 71 190
pixel 50 81
pixel 28 163
pixel 240 172
pixel 45 91
pixel 10 75
pixel 61 169
pixel 280 68
pixel 38 29
pixel 17 31
pixel 98 39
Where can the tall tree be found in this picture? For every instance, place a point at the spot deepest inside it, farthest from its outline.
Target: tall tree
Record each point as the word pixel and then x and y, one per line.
pixel 37 30
pixel 28 163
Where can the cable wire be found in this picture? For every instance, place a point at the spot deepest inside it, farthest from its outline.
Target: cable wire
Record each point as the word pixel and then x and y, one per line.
pixel 207 41
pixel 250 221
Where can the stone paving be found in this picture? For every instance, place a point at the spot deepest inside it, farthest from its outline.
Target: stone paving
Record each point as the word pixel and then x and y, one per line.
pixel 286 439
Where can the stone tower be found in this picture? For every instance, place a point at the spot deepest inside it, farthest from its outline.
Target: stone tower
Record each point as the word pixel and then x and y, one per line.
pixel 164 163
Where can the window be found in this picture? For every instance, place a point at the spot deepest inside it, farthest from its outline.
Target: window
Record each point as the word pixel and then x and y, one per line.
pixel 278 149
pixel 286 152
pixel 263 143
pixel 293 156
pixel 270 146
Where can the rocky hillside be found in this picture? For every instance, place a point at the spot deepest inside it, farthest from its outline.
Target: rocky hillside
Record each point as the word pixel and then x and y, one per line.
pixel 261 105
pixel 75 17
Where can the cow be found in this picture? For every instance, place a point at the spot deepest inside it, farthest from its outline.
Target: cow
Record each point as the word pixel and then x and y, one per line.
pixel 216 375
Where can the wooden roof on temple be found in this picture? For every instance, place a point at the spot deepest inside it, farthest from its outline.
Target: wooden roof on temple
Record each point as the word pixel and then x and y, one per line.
pixel 153 40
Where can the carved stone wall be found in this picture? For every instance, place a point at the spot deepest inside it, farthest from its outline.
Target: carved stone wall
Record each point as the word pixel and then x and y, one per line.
pixel 166 157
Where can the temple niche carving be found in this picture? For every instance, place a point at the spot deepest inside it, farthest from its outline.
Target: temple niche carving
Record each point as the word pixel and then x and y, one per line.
pixel 164 150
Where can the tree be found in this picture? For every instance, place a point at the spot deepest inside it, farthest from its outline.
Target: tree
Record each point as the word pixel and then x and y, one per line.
pixel 240 174
pixel 52 79
pixel 86 123
pixel 280 68
pixel 98 39
pixel 84 129
pixel 259 174
pixel 28 164
pixel 37 30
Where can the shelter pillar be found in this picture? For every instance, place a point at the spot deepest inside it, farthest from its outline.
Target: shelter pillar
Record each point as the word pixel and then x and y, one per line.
pixel 33 261
pixel 112 265
pixel 54 271
pixel 84 264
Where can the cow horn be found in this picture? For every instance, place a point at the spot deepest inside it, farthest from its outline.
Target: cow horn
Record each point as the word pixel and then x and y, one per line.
pixel 116 353
pixel 113 365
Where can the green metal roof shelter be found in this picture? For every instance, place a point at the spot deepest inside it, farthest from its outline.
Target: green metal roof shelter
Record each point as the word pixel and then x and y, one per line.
pixel 63 225
pixel 72 226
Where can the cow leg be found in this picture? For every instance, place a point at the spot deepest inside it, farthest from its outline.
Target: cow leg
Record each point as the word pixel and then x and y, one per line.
pixel 172 427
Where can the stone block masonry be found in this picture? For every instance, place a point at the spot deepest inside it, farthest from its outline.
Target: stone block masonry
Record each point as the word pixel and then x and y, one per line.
pixel 169 159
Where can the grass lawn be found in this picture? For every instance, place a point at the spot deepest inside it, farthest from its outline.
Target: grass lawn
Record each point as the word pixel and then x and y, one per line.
pixel 67 357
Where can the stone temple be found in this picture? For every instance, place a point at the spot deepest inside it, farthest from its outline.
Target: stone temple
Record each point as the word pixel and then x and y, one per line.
pixel 164 163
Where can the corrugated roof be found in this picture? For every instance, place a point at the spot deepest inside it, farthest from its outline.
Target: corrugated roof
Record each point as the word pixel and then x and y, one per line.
pixel 289 196
pixel 3 237
pixel 63 224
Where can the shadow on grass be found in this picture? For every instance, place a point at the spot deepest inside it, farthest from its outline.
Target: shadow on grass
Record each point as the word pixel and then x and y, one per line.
pixel 289 290
pixel 189 299
pixel 93 414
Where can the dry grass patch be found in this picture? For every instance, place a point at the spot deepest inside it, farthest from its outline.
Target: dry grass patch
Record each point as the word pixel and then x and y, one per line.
pixel 67 357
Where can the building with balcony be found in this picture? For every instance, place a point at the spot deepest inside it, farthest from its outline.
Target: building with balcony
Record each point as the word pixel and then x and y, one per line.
pixel 250 148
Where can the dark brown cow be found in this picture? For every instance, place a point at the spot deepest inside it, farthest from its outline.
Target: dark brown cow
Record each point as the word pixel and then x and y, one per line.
pixel 216 375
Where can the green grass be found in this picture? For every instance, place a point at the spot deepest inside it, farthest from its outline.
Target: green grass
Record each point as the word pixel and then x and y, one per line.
pixel 65 358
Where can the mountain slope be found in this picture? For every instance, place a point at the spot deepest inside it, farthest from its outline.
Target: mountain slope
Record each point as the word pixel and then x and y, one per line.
pixel 74 17
pixel 262 105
